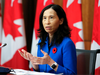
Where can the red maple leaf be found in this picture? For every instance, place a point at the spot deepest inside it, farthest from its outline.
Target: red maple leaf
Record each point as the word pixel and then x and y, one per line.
pixel 12 13
pixel 73 14
pixel 12 29
pixel 75 33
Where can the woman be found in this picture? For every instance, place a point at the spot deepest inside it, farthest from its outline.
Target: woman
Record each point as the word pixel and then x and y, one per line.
pixel 56 51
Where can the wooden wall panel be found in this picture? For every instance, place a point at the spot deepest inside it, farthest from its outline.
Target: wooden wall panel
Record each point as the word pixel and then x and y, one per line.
pixel 87 17
pixel 59 2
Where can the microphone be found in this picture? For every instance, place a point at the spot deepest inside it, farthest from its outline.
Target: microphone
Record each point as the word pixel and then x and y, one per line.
pixel 3 45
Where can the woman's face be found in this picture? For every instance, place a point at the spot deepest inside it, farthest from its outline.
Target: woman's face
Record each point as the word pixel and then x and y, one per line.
pixel 50 21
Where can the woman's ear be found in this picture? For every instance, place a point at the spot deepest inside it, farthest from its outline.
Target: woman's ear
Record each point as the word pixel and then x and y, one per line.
pixel 61 21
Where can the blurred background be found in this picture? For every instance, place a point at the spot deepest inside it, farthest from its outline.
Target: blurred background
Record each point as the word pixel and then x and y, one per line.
pixel 79 13
pixel 29 9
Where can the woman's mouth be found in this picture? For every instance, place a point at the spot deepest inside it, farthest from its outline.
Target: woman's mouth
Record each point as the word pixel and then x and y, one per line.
pixel 48 27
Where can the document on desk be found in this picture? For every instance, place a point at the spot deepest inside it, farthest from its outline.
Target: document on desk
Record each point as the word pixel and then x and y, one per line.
pixel 27 72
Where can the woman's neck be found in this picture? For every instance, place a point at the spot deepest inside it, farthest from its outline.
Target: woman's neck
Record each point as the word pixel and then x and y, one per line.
pixel 50 38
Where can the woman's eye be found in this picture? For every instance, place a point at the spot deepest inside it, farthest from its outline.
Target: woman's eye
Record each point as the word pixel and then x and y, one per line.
pixel 51 17
pixel 44 17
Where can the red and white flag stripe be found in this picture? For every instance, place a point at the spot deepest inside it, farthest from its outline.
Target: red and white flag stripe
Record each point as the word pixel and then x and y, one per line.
pixel 74 17
pixel 0 22
pixel 96 33
pixel 14 35
pixel 0 30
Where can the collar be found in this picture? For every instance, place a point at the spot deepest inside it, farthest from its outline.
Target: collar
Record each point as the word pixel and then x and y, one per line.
pixel 47 41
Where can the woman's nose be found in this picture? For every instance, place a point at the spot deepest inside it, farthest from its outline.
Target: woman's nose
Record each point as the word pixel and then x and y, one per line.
pixel 48 21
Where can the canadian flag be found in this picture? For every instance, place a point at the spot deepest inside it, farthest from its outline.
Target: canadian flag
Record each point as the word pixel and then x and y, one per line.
pixel 0 29
pixel 96 34
pixel 14 35
pixel 74 17
pixel 40 5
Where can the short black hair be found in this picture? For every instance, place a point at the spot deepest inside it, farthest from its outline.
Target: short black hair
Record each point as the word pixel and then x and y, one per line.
pixel 62 31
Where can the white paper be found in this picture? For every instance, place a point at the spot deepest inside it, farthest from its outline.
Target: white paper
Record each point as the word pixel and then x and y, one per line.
pixel 27 72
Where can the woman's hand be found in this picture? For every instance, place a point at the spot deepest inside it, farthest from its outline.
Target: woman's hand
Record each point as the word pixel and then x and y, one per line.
pixel 26 55
pixel 46 59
